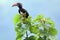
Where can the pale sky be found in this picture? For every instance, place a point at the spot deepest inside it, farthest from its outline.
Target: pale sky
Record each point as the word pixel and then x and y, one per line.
pixel 50 8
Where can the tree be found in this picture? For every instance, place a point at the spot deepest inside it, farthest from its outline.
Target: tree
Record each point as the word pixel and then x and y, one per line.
pixel 42 28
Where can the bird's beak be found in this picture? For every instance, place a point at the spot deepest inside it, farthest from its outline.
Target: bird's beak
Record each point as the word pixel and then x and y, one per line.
pixel 14 5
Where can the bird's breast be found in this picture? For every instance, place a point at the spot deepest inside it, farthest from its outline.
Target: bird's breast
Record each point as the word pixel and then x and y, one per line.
pixel 23 14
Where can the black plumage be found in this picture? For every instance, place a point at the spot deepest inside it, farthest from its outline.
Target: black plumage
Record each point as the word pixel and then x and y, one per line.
pixel 21 10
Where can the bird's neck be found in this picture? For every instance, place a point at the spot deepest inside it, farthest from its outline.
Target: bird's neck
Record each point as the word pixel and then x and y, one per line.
pixel 19 7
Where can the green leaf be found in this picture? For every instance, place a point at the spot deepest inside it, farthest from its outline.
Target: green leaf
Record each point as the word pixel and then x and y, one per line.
pixel 19 25
pixel 49 39
pixel 40 38
pixel 17 18
pixel 39 17
pixel 30 38
pixel 16 29
pixel 34 29
pixel 50 22
pixel 52 31
pixel 19 36
pixel 29 18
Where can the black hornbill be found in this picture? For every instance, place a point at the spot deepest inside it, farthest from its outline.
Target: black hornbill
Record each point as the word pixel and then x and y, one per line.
pixel 21 10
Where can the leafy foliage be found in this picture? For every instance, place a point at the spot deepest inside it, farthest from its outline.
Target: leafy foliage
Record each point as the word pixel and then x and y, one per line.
pixel 41 27
pixel 17 18
pixel 30 38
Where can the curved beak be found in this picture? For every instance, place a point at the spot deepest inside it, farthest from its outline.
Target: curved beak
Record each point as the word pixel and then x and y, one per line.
pixel 14 5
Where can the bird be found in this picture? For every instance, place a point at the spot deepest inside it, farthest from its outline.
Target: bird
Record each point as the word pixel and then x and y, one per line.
pixel 21 10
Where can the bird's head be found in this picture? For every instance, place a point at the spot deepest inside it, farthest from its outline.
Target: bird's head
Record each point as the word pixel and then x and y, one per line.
pixel 19 5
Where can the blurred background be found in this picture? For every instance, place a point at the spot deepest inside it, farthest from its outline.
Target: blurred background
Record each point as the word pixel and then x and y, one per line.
pixel 50 8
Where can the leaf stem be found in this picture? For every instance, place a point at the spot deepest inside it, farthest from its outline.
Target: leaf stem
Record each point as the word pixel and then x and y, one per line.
pixel 26 35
